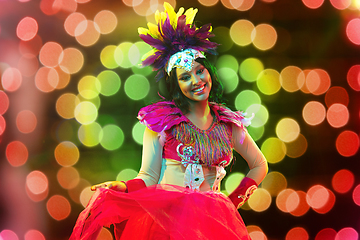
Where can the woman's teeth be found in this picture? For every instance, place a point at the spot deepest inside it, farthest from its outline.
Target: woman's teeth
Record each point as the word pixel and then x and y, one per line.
pixel 199 89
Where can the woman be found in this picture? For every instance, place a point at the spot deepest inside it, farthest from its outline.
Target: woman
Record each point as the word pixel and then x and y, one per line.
pixel 187 144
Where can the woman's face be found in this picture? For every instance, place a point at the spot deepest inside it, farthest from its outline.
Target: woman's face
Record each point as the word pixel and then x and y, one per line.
pixel 195 84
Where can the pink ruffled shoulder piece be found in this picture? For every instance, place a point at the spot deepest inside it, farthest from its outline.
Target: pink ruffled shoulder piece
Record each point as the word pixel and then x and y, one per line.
pixel 229 116
pixel 161 116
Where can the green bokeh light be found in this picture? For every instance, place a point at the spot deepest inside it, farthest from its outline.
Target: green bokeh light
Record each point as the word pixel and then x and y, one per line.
pixel 222 36
pixel 261 114
pixel 256 132
pixel 138 132
pixel 122 55
pixel 86 112
pixel 137 87
pixel 89 87
pixel 113 137
pixel 246 98
pixel 90 135
pixel 229 78
pixel 232 181
pixel 126 174
pixel 110 82
pixel 268 81
pixel 107 57
pixel 250 69
pixel 227 61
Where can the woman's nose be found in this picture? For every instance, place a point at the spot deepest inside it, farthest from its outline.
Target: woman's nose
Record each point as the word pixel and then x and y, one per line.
pixel 195 79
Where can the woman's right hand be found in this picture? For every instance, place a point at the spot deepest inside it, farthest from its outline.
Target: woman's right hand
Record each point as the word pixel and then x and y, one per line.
pixel 114 185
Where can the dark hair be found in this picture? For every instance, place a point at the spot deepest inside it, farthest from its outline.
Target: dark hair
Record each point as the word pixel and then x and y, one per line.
pixel 175 93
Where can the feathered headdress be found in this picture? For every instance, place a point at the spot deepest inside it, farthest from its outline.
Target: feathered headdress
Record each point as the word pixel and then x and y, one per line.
pixel 173 38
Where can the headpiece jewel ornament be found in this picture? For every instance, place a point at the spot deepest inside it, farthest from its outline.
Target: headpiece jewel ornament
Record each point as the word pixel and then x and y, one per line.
pixel 175 40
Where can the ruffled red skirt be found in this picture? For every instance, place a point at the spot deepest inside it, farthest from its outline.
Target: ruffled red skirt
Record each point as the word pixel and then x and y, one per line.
pixel 161 212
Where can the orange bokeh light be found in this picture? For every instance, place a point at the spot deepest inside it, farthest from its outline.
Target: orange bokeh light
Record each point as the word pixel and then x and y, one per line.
pixel 27 28
pixel 343 180
pixel 66 154
pixel 352 31
pixel 302 206
pixel 347 143
pixel 46 79
pixel 298 233
pixel 336 95
pixel 11 79
pixel 314 113
pixel 26 121
pixel 318 81
pixel 17 153
pixel 353 77
pixel 50 53
pixel 37 182
pixel 313 4
pixel 58 207
pixel 4 102
pixel 337 115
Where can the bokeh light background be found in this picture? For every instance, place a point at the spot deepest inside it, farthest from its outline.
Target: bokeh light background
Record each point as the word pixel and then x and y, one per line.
pixel 71 87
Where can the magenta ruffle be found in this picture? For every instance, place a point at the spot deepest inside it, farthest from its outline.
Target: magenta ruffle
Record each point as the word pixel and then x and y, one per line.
pixel 163 115
pixel 161 212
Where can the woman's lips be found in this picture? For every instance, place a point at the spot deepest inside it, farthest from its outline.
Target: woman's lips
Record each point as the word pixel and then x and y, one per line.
pixel 199 90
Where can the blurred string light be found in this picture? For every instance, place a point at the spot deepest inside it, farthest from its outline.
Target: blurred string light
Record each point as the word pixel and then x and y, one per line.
pixel 138 132
pixel 250 69
pixel 268 81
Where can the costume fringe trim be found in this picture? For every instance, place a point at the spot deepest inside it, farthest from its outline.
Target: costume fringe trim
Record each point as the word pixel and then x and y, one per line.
pixel 210 145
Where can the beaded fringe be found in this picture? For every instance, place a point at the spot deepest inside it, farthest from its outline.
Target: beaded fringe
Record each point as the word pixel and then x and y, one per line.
pixel 210 145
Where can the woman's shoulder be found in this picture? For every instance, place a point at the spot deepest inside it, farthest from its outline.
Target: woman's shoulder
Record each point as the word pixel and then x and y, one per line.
pixel 225 114
pixel 160 116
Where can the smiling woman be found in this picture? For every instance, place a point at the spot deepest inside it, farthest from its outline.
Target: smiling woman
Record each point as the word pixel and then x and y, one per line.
pixel 188 141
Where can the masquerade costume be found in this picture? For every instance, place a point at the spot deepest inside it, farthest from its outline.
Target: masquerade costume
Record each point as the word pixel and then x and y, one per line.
pixel 177 192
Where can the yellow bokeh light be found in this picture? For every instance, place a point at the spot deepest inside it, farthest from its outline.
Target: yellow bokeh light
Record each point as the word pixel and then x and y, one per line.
pixel 90 135
pixel 240 32
pixel 89 87
pixel 122 55
pixel 287 129
pixel 260 200
pixel 273 149
pixel 274 183
pixel 296 148
pixel 107 57
pixel 86 112
pixel 268 81
pixel 292 78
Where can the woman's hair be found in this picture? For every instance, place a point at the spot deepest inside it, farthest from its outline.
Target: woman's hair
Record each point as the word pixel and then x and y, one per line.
pixel 182 102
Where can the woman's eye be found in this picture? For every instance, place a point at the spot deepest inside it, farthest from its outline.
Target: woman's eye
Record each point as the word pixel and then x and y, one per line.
pixel 185 78
pixel 200 71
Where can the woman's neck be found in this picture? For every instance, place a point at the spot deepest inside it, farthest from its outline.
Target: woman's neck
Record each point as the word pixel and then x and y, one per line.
pixel 200 114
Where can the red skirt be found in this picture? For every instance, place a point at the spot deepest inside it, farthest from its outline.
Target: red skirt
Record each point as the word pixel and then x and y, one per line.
pixel 161 212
